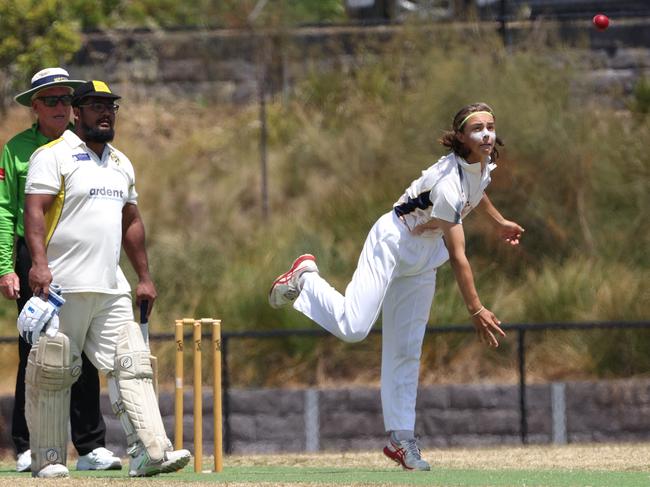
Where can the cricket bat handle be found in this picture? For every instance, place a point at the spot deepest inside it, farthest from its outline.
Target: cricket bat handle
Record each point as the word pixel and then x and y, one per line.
pixel 144 328
pixel 144 321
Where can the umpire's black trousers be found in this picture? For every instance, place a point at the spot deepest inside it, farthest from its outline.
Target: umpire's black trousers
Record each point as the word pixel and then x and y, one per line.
pixel 86 422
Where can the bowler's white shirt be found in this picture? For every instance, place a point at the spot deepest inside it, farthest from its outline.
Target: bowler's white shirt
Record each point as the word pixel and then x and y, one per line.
pixel 84 224
pixel 447 190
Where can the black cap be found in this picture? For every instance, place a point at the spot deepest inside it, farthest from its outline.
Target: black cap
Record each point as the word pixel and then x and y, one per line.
pixel 92 88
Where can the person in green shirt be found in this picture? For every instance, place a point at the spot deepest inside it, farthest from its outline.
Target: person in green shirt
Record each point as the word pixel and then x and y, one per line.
pixel 50 97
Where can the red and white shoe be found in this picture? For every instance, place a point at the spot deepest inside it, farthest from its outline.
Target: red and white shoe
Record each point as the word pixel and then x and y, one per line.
pixel 287 287
pixel 407 454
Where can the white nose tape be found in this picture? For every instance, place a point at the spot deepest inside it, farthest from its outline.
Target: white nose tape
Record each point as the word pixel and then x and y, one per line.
pixel 480 136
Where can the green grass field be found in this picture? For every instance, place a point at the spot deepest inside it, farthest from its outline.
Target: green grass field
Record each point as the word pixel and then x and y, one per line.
pixel 371 476
pixel 535 466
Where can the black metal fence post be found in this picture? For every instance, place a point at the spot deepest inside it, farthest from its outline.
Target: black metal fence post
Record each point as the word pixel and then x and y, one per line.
pixel 521 354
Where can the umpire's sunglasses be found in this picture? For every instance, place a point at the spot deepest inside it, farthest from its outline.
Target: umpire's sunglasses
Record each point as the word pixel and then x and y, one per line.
pixel 52 101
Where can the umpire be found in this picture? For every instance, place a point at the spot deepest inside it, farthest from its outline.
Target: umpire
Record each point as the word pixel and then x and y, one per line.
pixel 50 97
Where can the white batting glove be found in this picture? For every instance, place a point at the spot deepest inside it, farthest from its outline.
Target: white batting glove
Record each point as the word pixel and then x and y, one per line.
pixel 55 299
pixel 33 317
pixel 38 313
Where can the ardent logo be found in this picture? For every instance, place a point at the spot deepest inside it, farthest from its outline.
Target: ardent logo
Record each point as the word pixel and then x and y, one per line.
pixel 111 193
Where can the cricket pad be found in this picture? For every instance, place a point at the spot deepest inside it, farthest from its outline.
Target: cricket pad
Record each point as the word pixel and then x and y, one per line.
pixel 53 365
pixel 135 393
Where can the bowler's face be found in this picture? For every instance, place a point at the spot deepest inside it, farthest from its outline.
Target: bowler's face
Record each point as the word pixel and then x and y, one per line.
pixel 52 121
pixel 479 136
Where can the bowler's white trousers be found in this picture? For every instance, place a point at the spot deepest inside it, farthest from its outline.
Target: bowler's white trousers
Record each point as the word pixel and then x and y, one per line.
pixel 396 275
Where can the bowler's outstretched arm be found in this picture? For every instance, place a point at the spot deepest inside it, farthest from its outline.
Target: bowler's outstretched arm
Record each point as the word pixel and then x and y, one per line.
pixel 485 322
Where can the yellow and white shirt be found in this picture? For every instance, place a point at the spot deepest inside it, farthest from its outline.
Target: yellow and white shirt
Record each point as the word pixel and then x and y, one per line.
pixel 84 224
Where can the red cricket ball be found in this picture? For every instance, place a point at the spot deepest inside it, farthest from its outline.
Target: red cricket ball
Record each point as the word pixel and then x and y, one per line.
pixel 601 21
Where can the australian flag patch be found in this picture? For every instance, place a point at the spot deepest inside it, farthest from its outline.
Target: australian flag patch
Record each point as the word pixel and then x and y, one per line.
pixel 83 156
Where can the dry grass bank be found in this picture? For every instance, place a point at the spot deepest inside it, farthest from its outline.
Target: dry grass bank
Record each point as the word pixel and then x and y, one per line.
pixel 341 150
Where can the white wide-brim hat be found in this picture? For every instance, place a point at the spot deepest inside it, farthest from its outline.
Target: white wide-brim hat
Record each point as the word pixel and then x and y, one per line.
pixel 46 78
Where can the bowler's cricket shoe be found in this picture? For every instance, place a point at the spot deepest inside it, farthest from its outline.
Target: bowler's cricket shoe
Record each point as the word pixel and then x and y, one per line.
pixel 99 459
pixel 51 471
pixel 406 453
pixel 287 286
pixel 24 462
pixel 142 466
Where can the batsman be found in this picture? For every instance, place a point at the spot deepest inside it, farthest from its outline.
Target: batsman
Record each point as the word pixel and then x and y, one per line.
pixel 80 211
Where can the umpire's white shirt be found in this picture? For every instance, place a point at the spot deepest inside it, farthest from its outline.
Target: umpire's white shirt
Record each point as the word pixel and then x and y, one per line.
pixel 84 224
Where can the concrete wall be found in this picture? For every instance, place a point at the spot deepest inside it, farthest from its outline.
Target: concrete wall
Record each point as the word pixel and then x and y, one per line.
pixel 225 66
pixel 277 420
